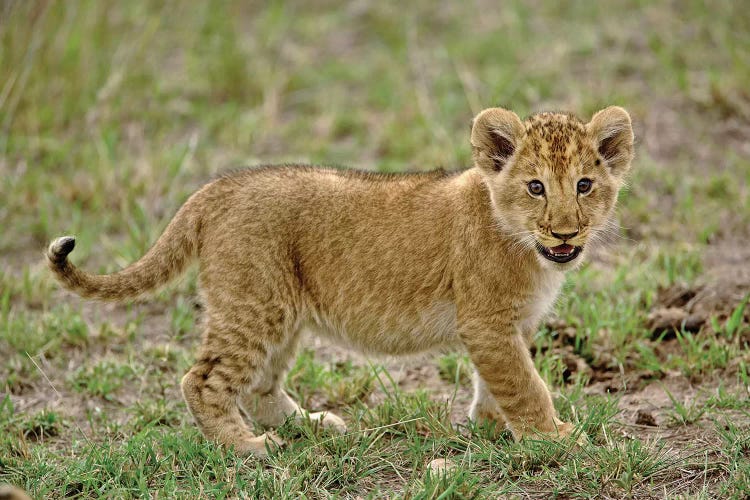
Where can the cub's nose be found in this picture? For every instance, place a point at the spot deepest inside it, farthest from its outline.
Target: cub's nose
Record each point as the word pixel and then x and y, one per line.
pixel 564 236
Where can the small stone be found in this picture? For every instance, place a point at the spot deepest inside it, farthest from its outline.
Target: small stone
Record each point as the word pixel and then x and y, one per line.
pixel 441 466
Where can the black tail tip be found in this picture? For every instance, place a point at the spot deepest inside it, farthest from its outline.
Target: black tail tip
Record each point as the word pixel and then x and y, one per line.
pixel 60 248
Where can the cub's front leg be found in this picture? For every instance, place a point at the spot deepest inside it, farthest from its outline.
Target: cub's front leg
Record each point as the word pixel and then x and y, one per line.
pixel 484 408
pixel 506 370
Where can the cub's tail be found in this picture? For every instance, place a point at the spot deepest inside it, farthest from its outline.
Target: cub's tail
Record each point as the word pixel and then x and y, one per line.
pixel 169 256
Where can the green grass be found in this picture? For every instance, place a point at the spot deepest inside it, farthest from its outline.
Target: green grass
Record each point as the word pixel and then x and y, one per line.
pixel 111 114
pixel 340 383
pixel 387 451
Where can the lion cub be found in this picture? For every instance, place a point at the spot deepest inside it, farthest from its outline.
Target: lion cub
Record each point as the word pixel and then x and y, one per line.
pixel 390 264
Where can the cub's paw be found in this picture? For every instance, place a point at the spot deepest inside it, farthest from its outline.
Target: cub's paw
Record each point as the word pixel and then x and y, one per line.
pixel 8 492
pixel 563 431
pixel 260 446
pixel 329 421
pixel 489 420
pixel 566 430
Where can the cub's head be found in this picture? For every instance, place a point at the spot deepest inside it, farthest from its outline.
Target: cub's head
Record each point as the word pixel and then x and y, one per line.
pixel 552 178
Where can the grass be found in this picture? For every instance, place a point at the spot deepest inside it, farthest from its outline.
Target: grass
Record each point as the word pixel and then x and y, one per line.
pixel 176 462
pixel 112 114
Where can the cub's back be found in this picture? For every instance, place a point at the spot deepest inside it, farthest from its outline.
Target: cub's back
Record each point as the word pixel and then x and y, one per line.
pixel 356 252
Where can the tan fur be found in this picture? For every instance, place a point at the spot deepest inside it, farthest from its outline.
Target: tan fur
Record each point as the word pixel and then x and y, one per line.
pixel 390 264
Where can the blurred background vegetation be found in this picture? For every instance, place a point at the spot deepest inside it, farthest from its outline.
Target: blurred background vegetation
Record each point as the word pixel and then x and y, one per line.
pixel 123 108
pixel 112 113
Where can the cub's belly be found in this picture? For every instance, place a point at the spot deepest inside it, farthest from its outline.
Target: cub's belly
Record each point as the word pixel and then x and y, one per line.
pixel 405 332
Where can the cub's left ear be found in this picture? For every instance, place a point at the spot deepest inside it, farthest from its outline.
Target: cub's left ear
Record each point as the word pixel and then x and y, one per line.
pixel 612 131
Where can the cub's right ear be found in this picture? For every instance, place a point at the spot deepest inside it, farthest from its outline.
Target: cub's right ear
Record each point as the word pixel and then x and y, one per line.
pixel 494 136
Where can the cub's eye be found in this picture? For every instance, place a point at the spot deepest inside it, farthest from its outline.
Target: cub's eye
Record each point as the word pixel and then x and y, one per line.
pixel 584 186
pixel 536 188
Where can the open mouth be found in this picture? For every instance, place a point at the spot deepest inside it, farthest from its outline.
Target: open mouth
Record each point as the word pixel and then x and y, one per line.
pixel 560 254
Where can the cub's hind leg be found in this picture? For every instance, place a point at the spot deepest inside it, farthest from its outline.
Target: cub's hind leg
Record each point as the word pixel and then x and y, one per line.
pixel 268 404
pixel 235 351
pixel 484 408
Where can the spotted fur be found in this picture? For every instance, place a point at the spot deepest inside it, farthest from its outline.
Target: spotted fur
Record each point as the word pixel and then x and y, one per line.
pixel 389 264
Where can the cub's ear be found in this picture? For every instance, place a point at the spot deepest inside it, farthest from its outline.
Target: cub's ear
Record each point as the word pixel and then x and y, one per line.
pixel 494 136
pixel 612 131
